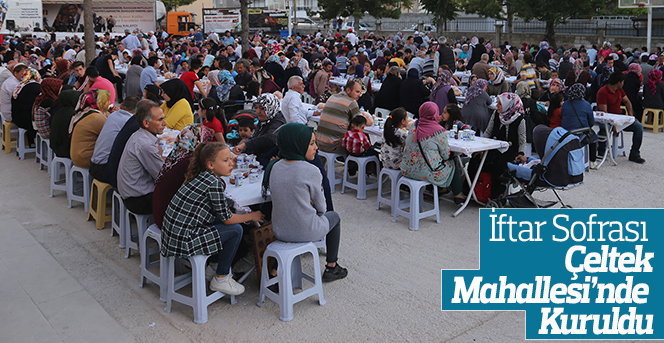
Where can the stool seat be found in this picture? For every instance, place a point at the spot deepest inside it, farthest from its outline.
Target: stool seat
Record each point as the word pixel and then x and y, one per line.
pixel 199 300
pixel 656 119
pixel 73 191
pixel 416 203
pixel 22 146
pixel 99 203
pixel 329 158
pixel 44 152
pixel 394 176
pixel 153 233
pixel 362 183
pixel 143 221
pixel 289 276
pixel 59 166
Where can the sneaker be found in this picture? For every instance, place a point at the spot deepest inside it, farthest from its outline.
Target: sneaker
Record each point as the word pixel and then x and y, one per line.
pixel 228 286
pixel 336 273
pixel 637 159
pixel 594 164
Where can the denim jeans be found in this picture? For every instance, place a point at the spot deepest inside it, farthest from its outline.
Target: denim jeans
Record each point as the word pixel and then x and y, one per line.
pixel 230 236
pixel 637 138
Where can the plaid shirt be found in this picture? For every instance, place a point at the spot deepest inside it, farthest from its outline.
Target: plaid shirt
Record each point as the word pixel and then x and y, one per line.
pixel 41 119
pixel 355 141
pixel 187 228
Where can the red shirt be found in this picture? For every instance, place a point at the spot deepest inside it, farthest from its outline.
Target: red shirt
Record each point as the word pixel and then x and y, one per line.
pixel 613 100
pixel 189 78
pixel 215 125
pixel 556 119
pixel 355 141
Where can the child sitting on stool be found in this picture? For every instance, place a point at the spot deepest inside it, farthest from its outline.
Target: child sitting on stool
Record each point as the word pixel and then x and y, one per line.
pixel 356 141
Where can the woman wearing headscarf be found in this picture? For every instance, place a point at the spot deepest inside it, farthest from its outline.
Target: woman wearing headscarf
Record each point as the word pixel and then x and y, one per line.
pixel 60 140
pixel 476 109
pixel 153 92
pixel 543 55
pixel 299 212
pixel 270 119
pixel 134 78
pixel 556 85
pixel 442 93
pixel 413 93
pixel 171 175
pixel 22 99
pixel 577 113
pixel 85 126
pixel 273 67
pixel 653 90
pixel 41 110
pixel 177 106
pixel 227 93
pixel 632 86
pixel 426 155
pixel 577 75
pixel 497 84
pixel 365 101
pixel 380 59
pixel 389 94
pixel 475 51
pixel 506 124
pixel 62 70
pixel 531 112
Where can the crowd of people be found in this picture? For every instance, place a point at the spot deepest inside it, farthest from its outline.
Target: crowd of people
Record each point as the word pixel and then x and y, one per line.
pixel 106 115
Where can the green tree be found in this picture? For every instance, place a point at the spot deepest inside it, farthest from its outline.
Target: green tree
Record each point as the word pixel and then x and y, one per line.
pixel 442 11
pixel 554 12
pixel 175 3
pixel 376 8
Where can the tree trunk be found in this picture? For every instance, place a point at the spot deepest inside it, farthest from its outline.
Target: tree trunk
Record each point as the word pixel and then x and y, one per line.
pixel 89 34
pixel 244 13
pixel 510 18
pixel 551 34
pixel 356 23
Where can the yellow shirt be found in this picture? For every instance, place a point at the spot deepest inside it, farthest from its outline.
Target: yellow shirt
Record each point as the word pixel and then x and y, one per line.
pixel 178 116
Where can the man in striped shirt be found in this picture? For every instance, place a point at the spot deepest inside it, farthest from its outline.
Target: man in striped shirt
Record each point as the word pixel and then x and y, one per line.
pixel 336 115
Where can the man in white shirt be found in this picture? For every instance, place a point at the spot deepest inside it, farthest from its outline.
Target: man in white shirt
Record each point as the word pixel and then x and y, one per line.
pixel 283 60
pixel 152 39
pixel 352 37
pixel 70 55
pixel 291 105
pixel 7 90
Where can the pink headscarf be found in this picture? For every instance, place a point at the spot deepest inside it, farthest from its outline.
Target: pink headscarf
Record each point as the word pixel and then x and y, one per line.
pixel 428 125
pixel 635 68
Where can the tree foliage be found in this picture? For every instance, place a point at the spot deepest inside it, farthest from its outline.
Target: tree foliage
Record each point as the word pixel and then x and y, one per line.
pixel 485 8
pixel 355 8
pixel 176 3
pixel 441 10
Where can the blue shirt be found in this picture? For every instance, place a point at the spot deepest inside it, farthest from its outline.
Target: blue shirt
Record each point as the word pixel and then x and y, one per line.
pixel 229 40
pixel 148 76
pixel 131 42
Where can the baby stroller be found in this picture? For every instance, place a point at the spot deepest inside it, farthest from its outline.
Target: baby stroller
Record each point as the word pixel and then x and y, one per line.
pixel 561 166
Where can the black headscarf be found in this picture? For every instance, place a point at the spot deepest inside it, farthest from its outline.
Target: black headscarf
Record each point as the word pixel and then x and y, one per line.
pixel 176 89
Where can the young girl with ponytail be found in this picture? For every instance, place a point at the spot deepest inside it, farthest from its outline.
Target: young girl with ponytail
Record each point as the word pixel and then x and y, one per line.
pixel 395 134
pixel 211 112
pixel 199 221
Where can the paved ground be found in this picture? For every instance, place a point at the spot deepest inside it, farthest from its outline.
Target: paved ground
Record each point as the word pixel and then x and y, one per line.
pixel 61 280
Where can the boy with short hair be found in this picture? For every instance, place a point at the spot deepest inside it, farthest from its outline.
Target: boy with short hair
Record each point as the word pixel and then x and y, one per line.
pixel 191 78
pixel 355 140
pixel 245 128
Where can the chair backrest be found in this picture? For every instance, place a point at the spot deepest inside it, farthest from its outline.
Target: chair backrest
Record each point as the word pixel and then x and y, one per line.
pixel 382 112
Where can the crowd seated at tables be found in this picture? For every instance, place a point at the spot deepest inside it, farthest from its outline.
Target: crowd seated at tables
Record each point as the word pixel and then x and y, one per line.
pixel 108 115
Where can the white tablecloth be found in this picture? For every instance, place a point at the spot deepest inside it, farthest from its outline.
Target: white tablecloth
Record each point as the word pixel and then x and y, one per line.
pixel 620 121
pixel 478 145
pixel 341 81
pixel 246 195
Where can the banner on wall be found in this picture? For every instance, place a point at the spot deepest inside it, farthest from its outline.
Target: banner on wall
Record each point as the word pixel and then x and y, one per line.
pixel 20 15
pixel 218 20
pixel 69 17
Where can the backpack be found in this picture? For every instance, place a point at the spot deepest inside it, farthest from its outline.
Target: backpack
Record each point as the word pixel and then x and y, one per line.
pixel 483 187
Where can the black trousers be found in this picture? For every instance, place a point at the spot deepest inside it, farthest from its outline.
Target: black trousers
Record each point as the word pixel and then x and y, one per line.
pixel 139 205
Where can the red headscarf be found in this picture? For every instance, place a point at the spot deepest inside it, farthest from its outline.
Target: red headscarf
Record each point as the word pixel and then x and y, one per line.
pixel 654 77
pixel 63 69
pixel 428 125
pixel 50 89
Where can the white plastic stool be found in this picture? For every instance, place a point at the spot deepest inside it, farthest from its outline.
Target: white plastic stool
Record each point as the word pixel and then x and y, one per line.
pixel 289 276
pixel 394 176
pixel 143 221
pixel 59 166
pixel 199 299
pixel 118 218
pixel 72 193
pixel 586 157
pixel 616 147
pixel 45 153
pixel 38 149
pixel 329 166
pixel 22 147
pixel 362 185
pixel 154 233
pixel 416 206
